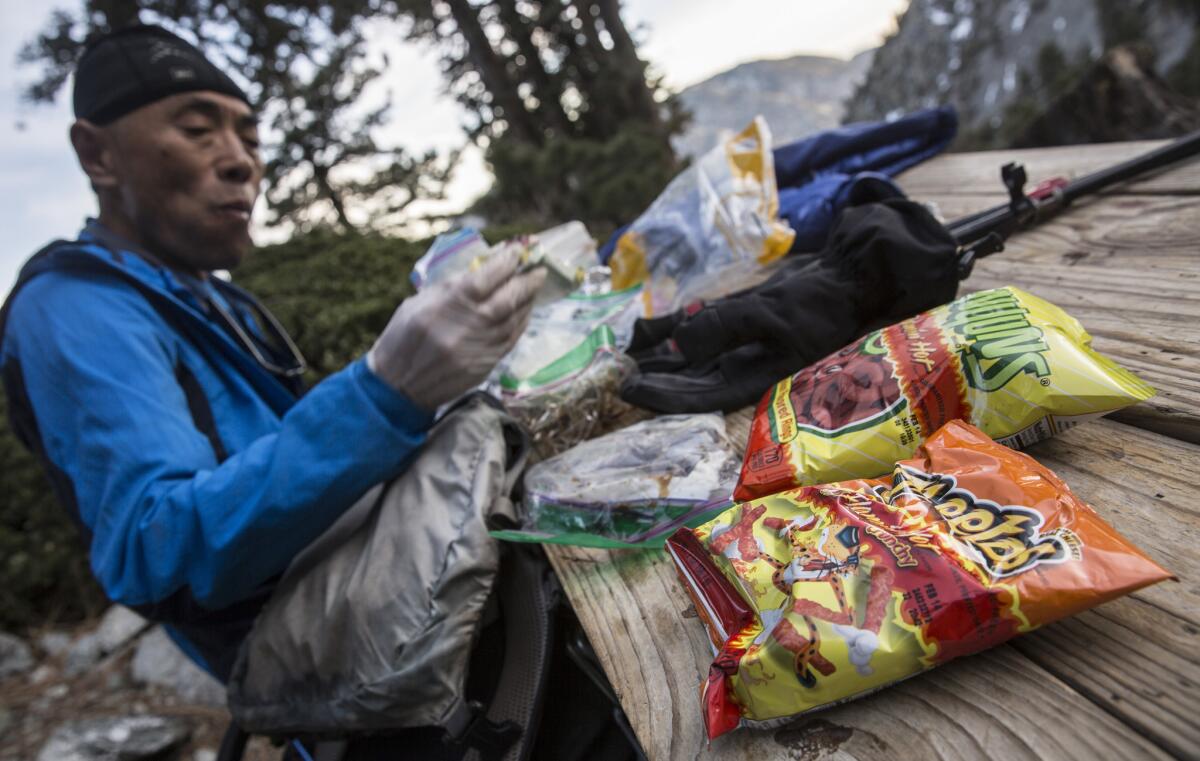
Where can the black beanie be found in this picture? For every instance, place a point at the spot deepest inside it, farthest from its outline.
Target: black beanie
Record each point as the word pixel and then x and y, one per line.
pixel 138 65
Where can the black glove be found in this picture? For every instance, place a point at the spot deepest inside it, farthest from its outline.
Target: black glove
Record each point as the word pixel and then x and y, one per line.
pixel 884 262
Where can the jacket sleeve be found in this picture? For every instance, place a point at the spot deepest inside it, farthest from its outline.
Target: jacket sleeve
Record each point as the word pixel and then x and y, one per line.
pixel 99 369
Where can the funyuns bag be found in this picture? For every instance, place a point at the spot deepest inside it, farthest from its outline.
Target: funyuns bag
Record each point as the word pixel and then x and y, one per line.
pixel 372 627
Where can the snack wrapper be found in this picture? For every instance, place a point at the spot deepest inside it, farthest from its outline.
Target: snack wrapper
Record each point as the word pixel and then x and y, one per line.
pixel 824 593
pixel 1018 367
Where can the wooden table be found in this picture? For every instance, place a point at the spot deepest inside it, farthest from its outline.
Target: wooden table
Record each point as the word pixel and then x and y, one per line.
pixel 1120 681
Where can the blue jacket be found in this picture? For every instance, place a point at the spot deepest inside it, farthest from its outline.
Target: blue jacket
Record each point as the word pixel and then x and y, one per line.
pixel 820 175
pixel 196 474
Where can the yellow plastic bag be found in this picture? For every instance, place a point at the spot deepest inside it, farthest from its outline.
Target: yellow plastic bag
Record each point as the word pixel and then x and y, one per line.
pixel 719 214
pixel 1018 367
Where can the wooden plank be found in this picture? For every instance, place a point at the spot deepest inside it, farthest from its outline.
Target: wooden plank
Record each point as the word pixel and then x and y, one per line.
pixel 1118 681
pixel 1136 657
pixel 652 646
pixel 1126 268
pixel 1159 231
pixel 1133 659
pixel 974 173
pixel 655 651
pixel 1144 484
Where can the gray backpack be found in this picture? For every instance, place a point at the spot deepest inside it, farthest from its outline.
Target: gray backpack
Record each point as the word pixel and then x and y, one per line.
pixel 372 627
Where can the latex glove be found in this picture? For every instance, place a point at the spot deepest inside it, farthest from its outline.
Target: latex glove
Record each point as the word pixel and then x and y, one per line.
pixel 445 340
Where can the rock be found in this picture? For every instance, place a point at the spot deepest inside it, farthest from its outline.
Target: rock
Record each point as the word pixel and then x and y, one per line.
pixel 117 679
pixel 119 625
pixel 1118 98
pixel 5 722
pixel 84 653
pixel 54 643
pixel 43 673
pixel 126 738
pixel 205 754
pixel 57 691
pixel 1002 63
pixel 158 661
pixel 15 656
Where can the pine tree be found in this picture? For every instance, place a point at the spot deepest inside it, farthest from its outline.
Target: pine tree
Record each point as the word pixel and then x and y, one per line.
pixel 305 64
pixel 572 125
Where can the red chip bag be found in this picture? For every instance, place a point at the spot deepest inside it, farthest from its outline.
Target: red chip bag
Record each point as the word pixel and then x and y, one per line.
pixel 824 593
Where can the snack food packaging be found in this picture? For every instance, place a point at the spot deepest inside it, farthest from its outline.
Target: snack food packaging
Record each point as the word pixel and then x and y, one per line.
pixel 1018 367
pixel 824 593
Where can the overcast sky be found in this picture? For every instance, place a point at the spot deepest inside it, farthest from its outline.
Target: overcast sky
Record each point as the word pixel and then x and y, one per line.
pixel 45 196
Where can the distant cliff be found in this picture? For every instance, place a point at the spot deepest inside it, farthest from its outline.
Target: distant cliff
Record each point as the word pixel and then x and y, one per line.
pixel 1005 63
pixel 797 96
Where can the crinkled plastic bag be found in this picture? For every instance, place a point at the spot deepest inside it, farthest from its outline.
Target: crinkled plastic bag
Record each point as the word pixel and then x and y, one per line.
pixel 720 213
pixel 567 252
pixel 450 253
pixel 1018 367
pixel 631 487
pixel 562 379
pixel 825 593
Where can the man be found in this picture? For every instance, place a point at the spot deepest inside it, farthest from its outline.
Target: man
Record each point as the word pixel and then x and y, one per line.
pixel 163 401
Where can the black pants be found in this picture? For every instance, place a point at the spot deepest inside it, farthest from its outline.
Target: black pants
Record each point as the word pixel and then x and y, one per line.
pixel 580 718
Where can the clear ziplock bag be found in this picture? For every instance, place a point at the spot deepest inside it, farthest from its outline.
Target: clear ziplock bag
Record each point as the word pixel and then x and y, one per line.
pixel 562 379
pixel 632 487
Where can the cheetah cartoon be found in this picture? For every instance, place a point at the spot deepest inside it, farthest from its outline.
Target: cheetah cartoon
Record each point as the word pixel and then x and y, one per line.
pixel 827 553
pixel 736 539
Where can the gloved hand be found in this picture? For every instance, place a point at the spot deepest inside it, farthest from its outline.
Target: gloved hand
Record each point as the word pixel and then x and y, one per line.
pixel 445 340
pixel 884 262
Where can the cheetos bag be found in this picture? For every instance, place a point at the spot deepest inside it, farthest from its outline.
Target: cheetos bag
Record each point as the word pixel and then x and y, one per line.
pixel 824 593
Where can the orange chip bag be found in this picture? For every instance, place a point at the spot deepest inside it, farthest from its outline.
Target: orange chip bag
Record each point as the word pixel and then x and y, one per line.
pixel 824 593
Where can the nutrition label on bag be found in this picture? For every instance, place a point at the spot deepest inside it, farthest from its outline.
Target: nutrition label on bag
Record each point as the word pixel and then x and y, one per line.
pixel 1026 437
pixel 1043 429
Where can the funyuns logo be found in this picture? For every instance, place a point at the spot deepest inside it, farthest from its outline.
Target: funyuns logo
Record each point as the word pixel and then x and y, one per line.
pixel 1006 540
pixel 1000 342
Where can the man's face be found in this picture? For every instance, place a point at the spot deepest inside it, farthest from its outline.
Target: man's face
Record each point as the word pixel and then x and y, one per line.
pixel 186 173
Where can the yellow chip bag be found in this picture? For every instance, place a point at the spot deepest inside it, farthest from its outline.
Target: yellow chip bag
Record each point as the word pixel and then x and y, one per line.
pixel 1018 367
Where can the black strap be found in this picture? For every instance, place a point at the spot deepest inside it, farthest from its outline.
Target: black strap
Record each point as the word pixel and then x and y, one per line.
pixel 528 594
pixel 202 415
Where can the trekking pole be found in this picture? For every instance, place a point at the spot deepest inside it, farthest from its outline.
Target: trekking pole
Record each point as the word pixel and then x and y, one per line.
pixel 983 233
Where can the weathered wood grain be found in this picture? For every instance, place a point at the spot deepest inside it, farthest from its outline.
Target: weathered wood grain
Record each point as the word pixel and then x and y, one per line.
pixel 1136 661
pixel 1144 484
pixel 1135 657
pixel 972 173
pixel 995 705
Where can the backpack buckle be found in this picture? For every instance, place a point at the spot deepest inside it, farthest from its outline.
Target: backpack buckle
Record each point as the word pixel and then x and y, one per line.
pixel 491 738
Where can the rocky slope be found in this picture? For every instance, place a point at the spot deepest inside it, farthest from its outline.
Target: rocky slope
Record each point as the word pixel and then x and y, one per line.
pixel 797 96
pixel 115 690
pixel 1002 63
